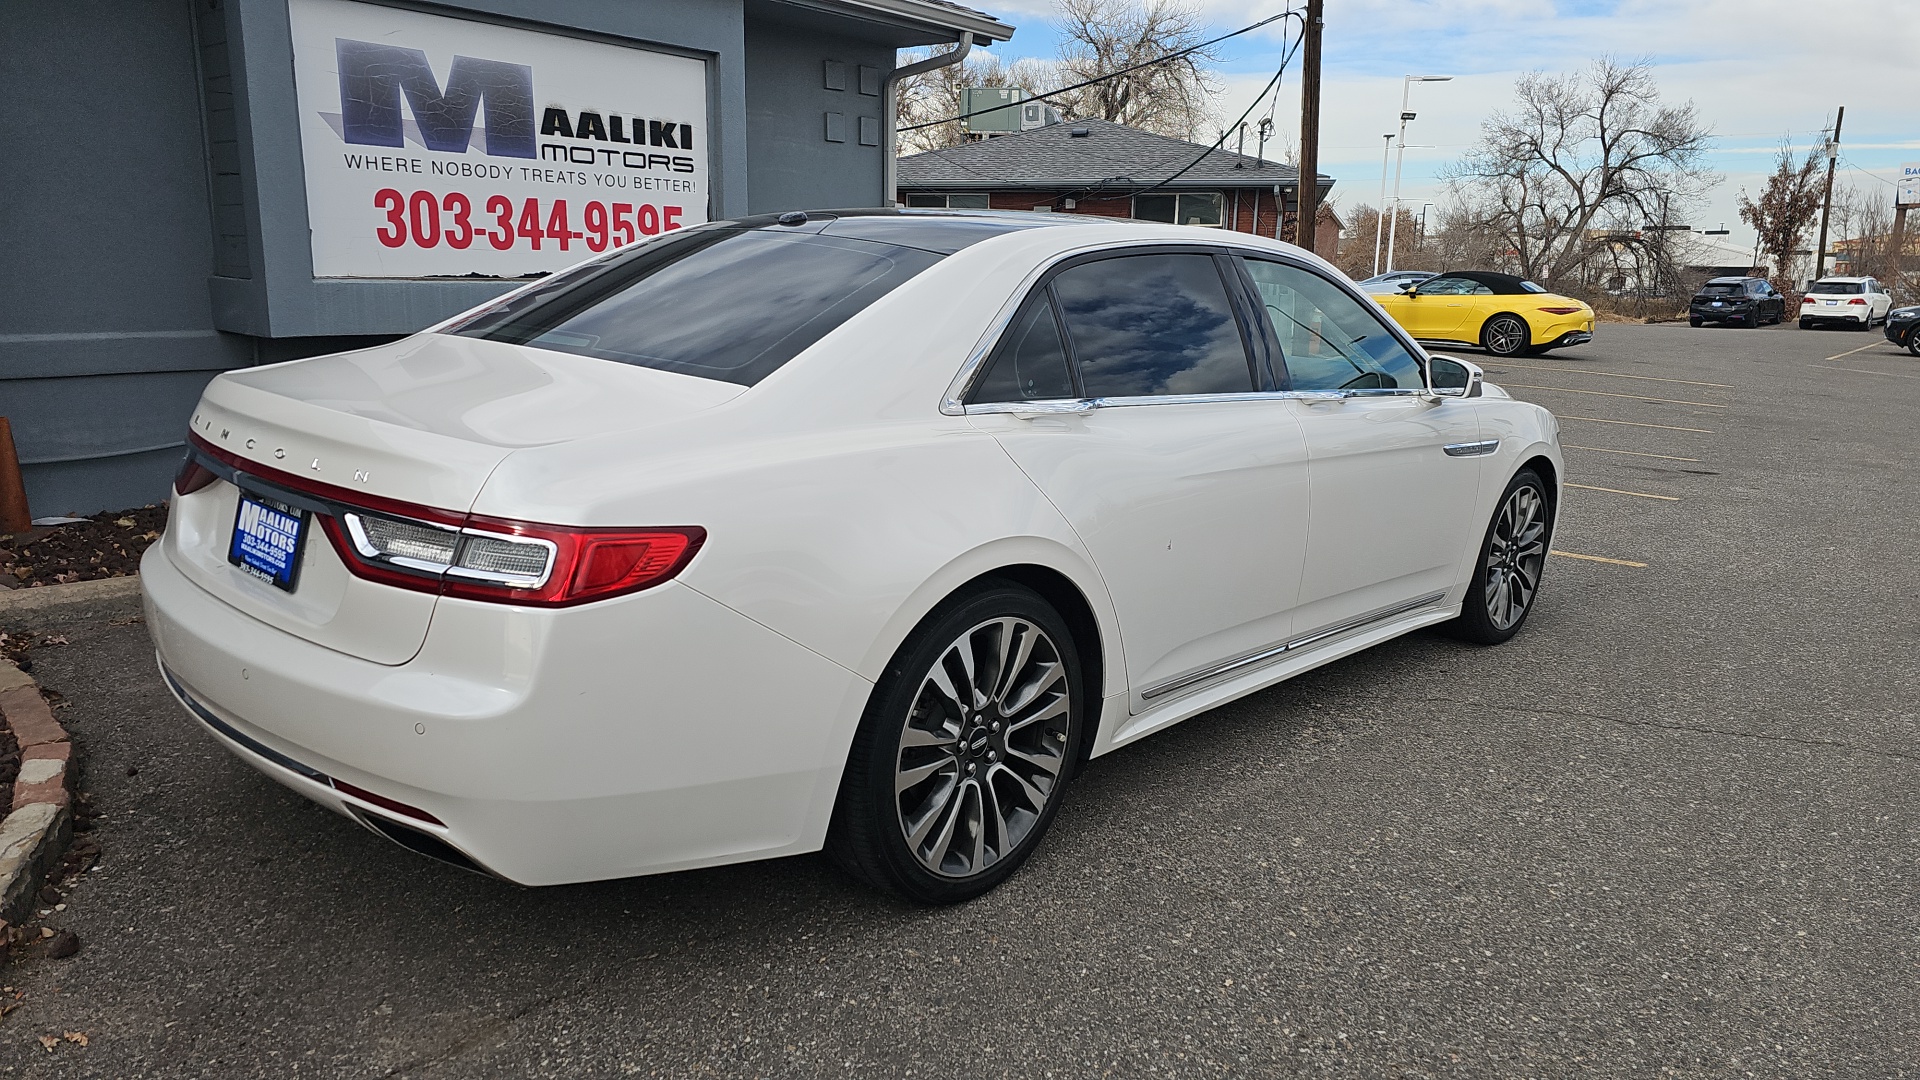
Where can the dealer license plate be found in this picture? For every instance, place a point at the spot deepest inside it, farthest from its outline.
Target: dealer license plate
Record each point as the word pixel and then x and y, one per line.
pixel 266 539
pixel 1831 303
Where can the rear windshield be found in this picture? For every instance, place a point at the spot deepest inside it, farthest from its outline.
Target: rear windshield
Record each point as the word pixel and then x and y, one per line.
pixel 1837 287
pixel 1724 288
pixel 720 303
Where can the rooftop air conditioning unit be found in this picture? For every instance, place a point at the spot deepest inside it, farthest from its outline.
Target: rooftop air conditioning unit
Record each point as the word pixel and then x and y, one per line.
pixel 1037 114
pixel 992 110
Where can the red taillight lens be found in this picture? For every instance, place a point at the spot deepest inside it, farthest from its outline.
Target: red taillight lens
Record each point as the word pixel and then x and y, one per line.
pixel 1857 300
pixel 192 476
pixel 1807 300
pixel 1561 310
pixel 588 564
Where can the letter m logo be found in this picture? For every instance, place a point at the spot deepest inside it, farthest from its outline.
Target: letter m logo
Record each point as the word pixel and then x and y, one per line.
pixel 373 77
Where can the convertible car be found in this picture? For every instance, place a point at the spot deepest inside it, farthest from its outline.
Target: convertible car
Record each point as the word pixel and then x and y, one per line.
pixel 1503 314
pixel 855 531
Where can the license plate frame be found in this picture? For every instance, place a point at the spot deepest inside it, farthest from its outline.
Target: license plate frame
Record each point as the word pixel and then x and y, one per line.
pixel 263 545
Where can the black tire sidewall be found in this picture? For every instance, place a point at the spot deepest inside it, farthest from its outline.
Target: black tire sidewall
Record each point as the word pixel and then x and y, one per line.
pixel 865 836
pixel 1474 624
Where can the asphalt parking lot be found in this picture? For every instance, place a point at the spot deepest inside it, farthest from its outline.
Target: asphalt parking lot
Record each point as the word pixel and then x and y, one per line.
pixel 1668 831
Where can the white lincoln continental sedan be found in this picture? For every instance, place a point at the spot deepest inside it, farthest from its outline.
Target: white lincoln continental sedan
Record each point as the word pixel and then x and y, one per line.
pixel 858 531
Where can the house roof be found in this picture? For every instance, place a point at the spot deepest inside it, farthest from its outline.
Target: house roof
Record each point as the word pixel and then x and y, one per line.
pixel 911 22
pixel 1109 156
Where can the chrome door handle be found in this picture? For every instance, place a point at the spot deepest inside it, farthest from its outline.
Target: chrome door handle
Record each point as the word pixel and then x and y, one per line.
pixel 1472 449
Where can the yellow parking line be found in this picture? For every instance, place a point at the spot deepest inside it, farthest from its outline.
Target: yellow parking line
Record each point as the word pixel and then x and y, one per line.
pixel 1617 491
pixel 1630 423
pixel 1603 393
pixel 1612 374
pixel 1599 558
pixel 1633 453
pixel 1863 348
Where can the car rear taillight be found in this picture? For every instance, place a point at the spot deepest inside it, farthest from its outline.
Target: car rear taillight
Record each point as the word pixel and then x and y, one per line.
pixel 513 562
pixel 1561 310
pixel 192 476
pixel 1857 300
pixel 482 558
pixel 1806 300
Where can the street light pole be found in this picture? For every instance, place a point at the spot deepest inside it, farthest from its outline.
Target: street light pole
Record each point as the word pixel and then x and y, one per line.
pixel 1406 91
pixel 1380 228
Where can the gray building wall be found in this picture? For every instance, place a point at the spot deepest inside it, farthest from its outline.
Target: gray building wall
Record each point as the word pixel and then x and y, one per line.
pixel 807 111
pixel 106 336
pixel 153 219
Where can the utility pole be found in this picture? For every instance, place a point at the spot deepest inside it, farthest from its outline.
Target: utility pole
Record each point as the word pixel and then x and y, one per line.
pixel 1309 171
pixel 1826 209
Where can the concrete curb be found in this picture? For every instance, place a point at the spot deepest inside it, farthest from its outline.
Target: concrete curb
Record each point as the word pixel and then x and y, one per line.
pixel 36 832
pixel 18 601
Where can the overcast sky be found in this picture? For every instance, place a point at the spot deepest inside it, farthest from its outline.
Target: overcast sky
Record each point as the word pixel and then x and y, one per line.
pixel 1758 71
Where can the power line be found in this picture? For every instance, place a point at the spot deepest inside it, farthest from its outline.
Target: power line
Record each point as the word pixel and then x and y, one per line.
pixel 1285 59
pixel 1188 51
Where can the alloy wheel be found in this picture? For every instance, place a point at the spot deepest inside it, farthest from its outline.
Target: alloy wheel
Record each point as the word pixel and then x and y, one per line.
pixel 1515 556
pixel 983 747
pixel 1506 336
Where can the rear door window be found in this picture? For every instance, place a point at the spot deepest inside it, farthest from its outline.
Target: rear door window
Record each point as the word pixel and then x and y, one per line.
pixel 1149 325
pixel 728 304
pixel 1030 363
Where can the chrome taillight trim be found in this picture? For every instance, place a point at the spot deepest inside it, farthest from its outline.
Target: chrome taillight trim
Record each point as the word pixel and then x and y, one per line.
pixel 357 532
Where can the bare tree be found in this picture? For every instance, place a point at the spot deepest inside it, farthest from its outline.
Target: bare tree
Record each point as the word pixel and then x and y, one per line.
pixel 1785 210
pixel 1355 258
pixel 1579 156
pixel 1106 36
pixel 1099 39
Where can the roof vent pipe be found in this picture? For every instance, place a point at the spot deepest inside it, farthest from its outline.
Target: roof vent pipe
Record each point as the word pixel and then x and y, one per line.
pixel 889 113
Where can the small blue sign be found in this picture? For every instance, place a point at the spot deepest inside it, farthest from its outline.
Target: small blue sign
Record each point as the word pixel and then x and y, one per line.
pixel 266 539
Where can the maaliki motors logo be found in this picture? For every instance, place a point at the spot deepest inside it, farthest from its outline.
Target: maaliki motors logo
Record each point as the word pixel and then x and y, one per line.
pixel 374 78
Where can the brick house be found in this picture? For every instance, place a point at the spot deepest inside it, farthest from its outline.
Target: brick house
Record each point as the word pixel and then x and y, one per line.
pixel 1098 167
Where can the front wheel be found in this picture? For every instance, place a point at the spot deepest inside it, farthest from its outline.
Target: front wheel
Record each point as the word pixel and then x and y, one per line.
pixel 967 743
pixel 1507 576
pixel 1913 341
pixel 1505 336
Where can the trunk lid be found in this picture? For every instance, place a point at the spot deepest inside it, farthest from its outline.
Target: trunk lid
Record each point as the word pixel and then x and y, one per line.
pixel 423 421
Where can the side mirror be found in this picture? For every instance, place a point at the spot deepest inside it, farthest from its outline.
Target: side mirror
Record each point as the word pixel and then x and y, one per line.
pixel 1451 377
pixel 1410 288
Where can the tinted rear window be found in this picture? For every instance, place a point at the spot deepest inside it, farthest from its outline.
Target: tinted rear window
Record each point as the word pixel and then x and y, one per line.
pixel 1836 288
pixel 728 304
pixel 1723 288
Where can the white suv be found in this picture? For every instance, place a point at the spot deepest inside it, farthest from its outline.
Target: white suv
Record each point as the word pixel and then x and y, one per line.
pixel 1859 301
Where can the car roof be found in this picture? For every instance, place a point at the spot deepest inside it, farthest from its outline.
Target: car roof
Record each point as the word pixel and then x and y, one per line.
pixel 1735 280
pixel 940 231
pixel 1502 284
pixel 1837 277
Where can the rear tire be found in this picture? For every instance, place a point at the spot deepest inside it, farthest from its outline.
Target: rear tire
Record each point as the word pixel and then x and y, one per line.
pixel 1695 323
pixel 943 799
pixel 1506 335
pixel 1806 324
pixel 1506 576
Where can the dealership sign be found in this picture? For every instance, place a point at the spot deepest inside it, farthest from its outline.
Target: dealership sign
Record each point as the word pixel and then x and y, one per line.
pixel 440 147
pixel 1909 190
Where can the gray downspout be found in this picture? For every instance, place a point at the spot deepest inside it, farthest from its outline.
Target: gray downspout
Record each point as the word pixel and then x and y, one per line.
pixel 889 108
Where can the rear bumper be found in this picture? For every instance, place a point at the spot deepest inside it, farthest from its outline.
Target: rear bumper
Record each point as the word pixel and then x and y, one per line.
pixel 1836 314
pixel 1723 314
pixel 654 732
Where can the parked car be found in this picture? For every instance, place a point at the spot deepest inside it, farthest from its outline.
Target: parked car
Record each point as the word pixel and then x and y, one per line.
pixel 1903 328
pixel 1503 314
pixel 1854 302
pixel 1394 281
pixel 1737 301
pixel 858 531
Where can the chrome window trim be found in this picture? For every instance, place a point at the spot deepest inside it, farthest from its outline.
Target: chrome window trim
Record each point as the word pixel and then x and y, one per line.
pixel 1071 406
pixel 1227 667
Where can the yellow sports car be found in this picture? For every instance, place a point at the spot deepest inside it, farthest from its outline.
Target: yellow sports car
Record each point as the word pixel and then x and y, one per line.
pixel 1503 314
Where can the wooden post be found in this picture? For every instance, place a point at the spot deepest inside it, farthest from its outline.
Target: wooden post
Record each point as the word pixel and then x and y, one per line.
pixel 14 518
pixel 1833 157
pixel 1308 188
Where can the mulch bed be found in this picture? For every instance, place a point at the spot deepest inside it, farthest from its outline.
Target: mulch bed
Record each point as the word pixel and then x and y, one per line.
pixel 106 545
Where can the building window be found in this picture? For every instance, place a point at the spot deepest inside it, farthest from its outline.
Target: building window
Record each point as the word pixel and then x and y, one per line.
pixel 1188 208
pixel 950 202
